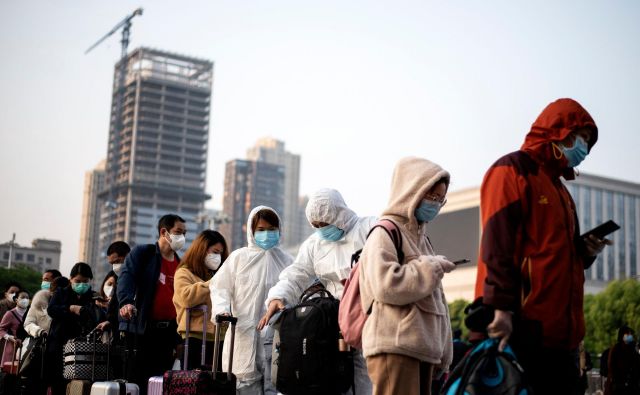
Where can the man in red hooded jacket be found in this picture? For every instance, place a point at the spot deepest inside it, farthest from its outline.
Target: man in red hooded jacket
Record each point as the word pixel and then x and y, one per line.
pixel 532 258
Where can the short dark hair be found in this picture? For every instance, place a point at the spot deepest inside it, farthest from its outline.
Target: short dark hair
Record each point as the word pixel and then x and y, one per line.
pixel 60 282
pixel 54 273
pixel 22 291
pixel 81 269
pixel 119 247
pixel 168 220
pixel 10 284
pixel 266 214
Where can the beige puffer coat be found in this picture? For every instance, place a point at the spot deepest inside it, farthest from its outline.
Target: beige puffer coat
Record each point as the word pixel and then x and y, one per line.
pixel 410 314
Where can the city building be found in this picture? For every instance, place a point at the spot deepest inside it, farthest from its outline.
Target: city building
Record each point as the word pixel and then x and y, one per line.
pixel 42 255
pixel 456 232
pixel 272 151
pixel 158 142
pixel 210 219
pixel 248 184
pixel 90 221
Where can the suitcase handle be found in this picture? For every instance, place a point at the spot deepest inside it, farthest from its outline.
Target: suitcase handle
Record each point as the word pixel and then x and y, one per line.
pixel 15 352
pixel 216 346
pixel 204 334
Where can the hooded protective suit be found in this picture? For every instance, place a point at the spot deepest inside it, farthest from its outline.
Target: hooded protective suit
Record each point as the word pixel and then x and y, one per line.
pixel 532 258
pixel 328 261
pixel 240 287
pixel 410 314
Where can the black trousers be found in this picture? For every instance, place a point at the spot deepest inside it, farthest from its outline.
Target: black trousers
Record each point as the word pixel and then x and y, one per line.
pixel 151 354
pixel 550 371
pixel 195 352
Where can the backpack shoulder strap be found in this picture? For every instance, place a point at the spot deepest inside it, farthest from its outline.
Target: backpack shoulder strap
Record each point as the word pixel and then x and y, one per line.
pixel 394 233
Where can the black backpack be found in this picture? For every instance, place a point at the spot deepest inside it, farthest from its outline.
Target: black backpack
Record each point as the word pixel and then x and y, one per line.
pixel 309 361
pixel 487 371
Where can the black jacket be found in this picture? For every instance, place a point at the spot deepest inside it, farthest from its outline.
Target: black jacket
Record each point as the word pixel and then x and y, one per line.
pixel 66 325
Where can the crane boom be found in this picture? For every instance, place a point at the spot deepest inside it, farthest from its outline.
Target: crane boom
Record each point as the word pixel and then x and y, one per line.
pixel 125 22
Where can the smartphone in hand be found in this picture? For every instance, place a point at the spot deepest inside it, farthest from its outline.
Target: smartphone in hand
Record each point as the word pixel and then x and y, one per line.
pixel 461 261
pixel 602 230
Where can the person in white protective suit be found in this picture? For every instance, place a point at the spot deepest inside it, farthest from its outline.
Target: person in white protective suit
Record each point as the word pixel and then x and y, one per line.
pixel 325 256
pixel 240 288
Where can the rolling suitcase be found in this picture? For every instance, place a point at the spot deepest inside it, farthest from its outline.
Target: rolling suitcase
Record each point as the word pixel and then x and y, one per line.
pixel 114 387
pixel 117 387
pixel 187 381
pixel 9 379
pixel 224 383
pixel 155 385
pixel 79 387
pixel 81 361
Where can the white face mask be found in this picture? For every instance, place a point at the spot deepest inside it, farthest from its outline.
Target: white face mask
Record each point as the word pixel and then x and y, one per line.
pixel 107 290
pixel 213 261
pixel 23 303
pixel 176 241
pixel 117 268
pixel 11 296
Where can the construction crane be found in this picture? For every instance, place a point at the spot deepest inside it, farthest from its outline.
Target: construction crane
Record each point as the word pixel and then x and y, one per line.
pixel 112 172
pixel 126 22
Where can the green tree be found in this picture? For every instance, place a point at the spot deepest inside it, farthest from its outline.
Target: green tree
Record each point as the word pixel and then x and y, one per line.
pixel 617 305
pixel 28 278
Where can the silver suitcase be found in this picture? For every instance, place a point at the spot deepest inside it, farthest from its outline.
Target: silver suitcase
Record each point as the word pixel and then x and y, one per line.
pixel 114 388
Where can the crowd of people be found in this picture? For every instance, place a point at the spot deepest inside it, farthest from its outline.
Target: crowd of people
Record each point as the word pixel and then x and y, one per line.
pixel 530 271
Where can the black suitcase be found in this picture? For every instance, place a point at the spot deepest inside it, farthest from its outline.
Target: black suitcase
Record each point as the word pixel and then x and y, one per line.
pixel 224 383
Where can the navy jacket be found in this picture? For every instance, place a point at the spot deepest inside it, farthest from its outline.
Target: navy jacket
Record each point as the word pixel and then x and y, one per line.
pixel 137 284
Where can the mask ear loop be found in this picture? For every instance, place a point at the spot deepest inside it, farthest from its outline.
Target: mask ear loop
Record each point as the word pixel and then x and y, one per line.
pixel 555 148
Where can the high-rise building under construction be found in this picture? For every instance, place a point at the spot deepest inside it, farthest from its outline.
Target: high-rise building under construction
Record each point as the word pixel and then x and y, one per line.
pixel 158 141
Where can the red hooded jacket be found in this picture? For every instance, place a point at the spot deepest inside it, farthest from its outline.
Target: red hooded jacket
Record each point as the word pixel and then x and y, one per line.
pixel 532 259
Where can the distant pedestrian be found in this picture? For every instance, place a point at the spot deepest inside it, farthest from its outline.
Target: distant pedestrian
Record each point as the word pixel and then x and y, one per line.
pixel 11 290
pixel 624 365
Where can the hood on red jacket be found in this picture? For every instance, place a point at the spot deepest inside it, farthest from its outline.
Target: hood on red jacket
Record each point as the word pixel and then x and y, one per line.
pixel 554 124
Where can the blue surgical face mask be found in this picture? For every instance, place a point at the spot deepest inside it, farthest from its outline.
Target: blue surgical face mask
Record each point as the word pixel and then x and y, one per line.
pixel 576 154
pixel 80 288
pixel 266 239
pixel 427 210
pixel 45 285
pixel 628 338
pixel 330 233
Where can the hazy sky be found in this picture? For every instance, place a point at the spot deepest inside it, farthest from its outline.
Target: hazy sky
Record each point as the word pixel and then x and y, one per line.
pixel 351 86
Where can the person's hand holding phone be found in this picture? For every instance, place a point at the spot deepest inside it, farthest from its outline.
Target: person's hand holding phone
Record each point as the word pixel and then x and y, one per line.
pixel 595 245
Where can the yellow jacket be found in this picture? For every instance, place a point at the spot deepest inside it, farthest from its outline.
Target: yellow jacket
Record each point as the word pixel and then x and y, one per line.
pixel 190 291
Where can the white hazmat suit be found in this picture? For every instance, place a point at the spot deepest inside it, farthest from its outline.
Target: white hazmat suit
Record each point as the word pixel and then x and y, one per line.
pixel 327 261
pixel 240 287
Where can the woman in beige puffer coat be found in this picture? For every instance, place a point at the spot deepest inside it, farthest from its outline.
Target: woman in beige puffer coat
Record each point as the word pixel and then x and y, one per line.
pixel 408 332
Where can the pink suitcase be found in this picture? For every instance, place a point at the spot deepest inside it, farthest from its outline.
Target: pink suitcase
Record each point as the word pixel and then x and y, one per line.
pixel 155 385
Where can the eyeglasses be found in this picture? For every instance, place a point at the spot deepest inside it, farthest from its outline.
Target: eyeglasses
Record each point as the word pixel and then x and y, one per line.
pixel 437 199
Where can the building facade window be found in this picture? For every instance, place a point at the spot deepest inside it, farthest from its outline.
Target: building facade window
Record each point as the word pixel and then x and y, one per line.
pixel 621 241
pixel 31 258
pixel 19 256
pixel 610 273
pixel 598 265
